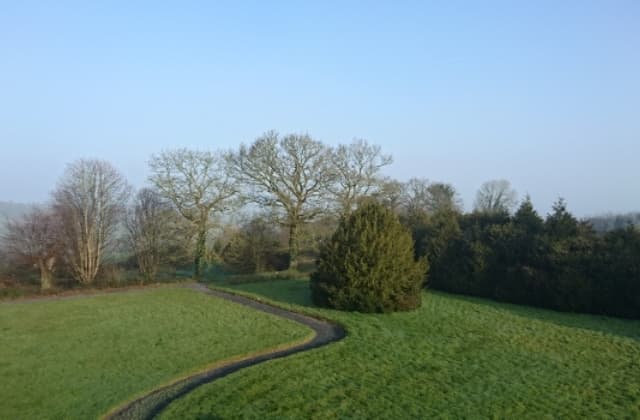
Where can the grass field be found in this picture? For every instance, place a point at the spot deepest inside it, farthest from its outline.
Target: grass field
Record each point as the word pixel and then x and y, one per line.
pixel 455 357
pixel 76 358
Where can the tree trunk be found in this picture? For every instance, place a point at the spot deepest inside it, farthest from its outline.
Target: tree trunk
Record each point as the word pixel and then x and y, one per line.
pixel 46 275
pixel 200 251
pixel 293 246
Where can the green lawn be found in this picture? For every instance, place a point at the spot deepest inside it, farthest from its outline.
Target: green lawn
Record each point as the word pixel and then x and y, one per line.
pixel 77 358
pixel 455 357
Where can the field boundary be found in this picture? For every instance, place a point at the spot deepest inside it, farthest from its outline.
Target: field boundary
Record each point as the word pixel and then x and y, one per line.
pixel 152 403
pixel 92 292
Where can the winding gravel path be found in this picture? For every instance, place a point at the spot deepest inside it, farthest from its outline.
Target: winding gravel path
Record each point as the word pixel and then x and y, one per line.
pixel 148 406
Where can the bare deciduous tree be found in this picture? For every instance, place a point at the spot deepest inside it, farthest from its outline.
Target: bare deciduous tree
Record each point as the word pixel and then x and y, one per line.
pixel 33 239
pixel 198 183
pixel 357 167
pixel 292 174
pixel 89 201
pixel 390 193
pixel 495 196
pixel 420 195
pixel 151 224
pixel 415 196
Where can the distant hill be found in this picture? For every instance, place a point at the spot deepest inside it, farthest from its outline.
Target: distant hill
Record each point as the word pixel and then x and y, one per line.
pixel 610 222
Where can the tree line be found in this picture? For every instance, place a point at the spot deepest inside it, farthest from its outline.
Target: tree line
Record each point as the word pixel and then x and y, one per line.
pixel 557 262
pixel 294 180
pixel 609 222
pixel 271 204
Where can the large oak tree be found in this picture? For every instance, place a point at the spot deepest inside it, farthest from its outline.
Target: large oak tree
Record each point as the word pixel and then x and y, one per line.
pixel 198 183
pixel 289 174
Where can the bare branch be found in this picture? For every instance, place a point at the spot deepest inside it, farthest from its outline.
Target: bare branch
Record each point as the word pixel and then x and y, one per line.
pixel 89 200
pixel 292 174
pixel 357 168
pixel 495 196
pixel 198 183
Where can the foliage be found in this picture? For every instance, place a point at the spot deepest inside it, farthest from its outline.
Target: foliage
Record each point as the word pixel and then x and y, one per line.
pixel 315 233
pixel 253 249
pixel 432 235
pixel 368 265
pixel 615 263
pixel 558 263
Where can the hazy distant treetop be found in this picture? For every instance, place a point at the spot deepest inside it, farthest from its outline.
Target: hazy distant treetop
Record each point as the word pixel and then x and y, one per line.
pixel 421 195
pixel 357 166
pixel 416 195
pixel 609 222
pixel 495 196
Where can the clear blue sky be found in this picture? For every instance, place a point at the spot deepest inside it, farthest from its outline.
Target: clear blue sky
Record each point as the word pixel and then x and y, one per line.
pixel 545 94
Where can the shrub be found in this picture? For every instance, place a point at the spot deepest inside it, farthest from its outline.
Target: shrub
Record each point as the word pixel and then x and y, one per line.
pixel 253 249
pixel 110 275
pixel 368 265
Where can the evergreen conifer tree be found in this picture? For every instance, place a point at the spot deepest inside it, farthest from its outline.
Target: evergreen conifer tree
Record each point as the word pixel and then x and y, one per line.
pixel 368 265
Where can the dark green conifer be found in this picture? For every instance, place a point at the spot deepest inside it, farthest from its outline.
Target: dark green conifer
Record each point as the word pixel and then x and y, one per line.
pixel 368 265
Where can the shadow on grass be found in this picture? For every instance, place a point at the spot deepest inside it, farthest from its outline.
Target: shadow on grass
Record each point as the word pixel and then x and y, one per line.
pixel 296 291
pixel 598 323
pixel 289 289
pixel 293 288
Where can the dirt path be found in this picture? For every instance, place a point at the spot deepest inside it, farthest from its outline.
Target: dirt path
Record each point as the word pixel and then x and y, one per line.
pixel 150 405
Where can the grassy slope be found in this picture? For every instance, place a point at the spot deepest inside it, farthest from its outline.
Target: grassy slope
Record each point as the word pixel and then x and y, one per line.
pixel 77 358
pixel 454 357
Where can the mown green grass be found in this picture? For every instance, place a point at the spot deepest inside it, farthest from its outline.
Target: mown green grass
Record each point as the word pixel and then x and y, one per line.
pixel 77 358
pixel 456 357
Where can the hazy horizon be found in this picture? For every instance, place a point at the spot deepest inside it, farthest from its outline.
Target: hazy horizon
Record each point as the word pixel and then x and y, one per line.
pixel 544 95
